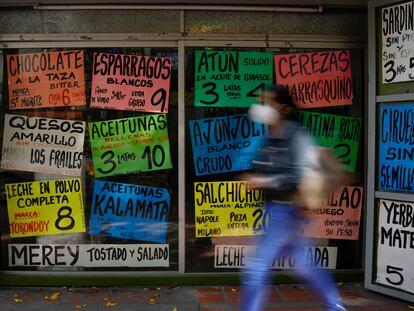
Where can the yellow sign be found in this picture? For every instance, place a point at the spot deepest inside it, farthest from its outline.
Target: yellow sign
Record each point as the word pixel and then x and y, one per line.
pixel 45 207
pixel 228 208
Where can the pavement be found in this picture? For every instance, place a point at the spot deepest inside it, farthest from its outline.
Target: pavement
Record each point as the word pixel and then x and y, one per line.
pixel 204 298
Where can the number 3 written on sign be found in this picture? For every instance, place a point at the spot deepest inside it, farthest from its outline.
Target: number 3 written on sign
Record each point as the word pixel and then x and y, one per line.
pixel 156 157
pixel 212 92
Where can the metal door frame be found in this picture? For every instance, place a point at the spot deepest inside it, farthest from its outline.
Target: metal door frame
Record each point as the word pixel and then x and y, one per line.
pixel 372 194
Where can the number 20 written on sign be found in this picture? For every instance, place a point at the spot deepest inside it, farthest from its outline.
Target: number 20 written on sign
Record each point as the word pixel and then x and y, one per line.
pixel 261 221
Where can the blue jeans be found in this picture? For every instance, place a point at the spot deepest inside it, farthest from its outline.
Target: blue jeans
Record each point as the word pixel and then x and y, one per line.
pixel 281 240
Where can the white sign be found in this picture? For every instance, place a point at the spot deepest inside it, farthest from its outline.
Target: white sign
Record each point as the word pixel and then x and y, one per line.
pixel 89 255
pixel 398 42
pixel 396 245
pixel 43 145
pixel 236 256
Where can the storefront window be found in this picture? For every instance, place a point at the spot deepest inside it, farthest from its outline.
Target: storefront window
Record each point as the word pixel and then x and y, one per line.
pixel 89 159
pixel 223 218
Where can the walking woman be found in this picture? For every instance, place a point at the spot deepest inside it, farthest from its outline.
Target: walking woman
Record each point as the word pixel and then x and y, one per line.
pixel 279 166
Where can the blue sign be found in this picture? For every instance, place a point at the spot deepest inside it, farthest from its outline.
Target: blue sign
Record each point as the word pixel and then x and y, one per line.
pixel 396 151
pixel 129 211
pixel 225 144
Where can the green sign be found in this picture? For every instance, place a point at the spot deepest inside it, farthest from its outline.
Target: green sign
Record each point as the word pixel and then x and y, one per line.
pixel 231 79
pixel 337 132
pixel 130 145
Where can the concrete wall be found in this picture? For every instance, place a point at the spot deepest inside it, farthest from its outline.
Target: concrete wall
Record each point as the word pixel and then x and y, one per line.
pixel 330 22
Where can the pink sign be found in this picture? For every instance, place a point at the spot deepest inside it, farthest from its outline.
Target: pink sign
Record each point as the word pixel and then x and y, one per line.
pixel 131 82
pixel 320 79
pixel 46 79
pixel 339 219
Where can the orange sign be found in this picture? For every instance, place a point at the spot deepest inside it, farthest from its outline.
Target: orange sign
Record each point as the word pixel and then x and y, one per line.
pixel 339 218
pixel 46 79
pixel 320 79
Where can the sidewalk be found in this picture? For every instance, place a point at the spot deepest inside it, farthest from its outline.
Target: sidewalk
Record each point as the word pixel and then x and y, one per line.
pixel 205 298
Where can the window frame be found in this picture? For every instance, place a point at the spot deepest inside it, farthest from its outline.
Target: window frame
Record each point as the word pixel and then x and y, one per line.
pixel 181 42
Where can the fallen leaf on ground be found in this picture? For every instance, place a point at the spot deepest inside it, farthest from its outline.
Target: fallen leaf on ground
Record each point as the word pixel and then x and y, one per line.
pixel 81 306
pixel 55 296
pixel 111 304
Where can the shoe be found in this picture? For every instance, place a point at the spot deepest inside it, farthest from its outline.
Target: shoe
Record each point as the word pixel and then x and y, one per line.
pixel 337 307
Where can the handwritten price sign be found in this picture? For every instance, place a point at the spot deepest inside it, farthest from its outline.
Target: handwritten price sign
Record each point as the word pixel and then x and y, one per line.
pixel 231 79
pixel 229 208
pixel 131 82
pixel 130 145
pixel 45 207
pixel 397 53
pixel 47 79
pixel 338 132
pixel 395 244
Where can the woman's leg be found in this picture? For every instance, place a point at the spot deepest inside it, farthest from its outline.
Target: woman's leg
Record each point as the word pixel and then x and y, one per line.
pixel 257 276
pixel 321 281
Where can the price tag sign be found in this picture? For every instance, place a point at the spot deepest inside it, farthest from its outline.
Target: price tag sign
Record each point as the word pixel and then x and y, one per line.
pixel 129 145
pixel 131 82
pixel 338 132
pixel 395 245
pixel 396 150
pixel 319 79
pixel 229 208
pixel 43 145
pixel 231 79
pixel 130 211
pixel 47 79
pixel 225 144
pixel 397 43
pixel 338 218
pixel 45 207
pixel 89 255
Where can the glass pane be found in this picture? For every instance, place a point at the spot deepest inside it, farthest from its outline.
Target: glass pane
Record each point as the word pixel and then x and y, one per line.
pixel 124 217
pixel 223 220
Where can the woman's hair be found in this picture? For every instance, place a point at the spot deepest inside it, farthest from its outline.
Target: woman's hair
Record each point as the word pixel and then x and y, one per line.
pixel 281 94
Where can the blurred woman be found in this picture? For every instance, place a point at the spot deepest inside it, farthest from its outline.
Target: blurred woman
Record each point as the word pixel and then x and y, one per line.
pixel 279 166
